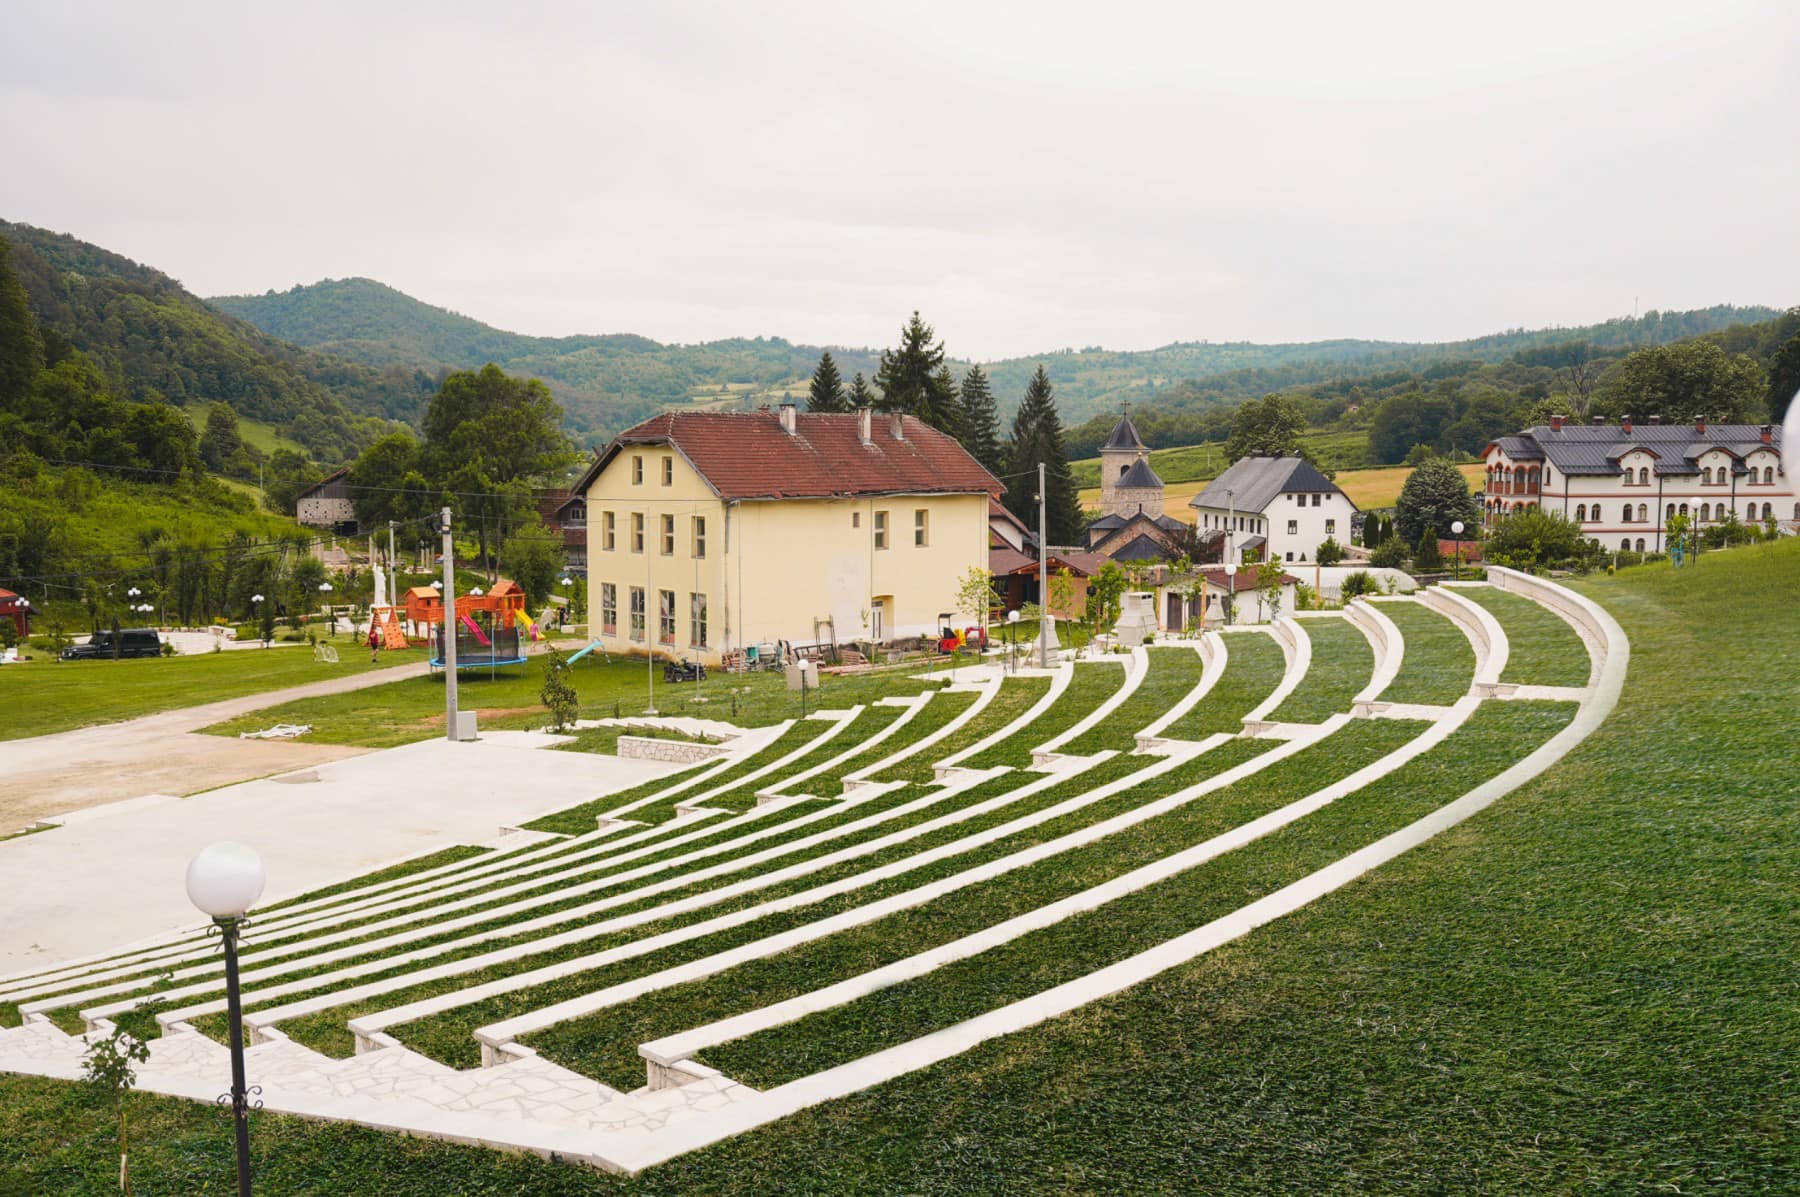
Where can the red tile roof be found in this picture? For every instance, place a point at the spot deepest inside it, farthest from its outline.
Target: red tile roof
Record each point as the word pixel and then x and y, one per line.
pixel 747 455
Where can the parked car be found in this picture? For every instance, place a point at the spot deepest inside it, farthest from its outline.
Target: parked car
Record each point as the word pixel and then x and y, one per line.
pixel 133 642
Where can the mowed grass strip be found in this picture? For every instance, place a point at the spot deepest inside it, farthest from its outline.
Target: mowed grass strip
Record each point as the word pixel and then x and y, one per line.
pixel 1254 665
pixel 1542 649
pixel 1092 685
pixel 1439 665
pixel 1017 695
pixel 54 696
pixel 447 1036
pixel 1495 736
pixel 1342 663
pixel 1172 673
pixel 938 711
pixel 1595 976
pixel 605 1044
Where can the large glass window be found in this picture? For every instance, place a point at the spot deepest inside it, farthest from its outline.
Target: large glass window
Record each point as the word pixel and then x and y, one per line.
pixel 697 620
pixel 665 616
pixel 637 612
pixel 609 609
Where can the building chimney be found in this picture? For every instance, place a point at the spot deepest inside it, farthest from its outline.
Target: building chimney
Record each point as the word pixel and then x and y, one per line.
pixel 865 431
pixel 1556 423
pixel 1655 420
pixel 1599 421
pixel 1768 434
pixel 1700 425
pixel 787 418
pixel 899 425
pixel 1625 423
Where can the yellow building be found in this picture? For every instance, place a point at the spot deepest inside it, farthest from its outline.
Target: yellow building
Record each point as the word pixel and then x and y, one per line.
pixel 711 531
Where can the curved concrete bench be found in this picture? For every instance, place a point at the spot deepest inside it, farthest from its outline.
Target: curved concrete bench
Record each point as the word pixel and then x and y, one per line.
pixel 1390 650
pixel 1064 674
pixel 1589 619
pixel 1296 646
pixel 1484 632
pixel 1213 655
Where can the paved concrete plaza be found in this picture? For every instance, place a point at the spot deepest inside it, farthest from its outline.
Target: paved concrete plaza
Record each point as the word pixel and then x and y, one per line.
pixel 115 876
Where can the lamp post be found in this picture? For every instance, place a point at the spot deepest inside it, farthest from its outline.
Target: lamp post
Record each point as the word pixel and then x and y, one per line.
pixel 224 880
pixel 257 600
pixel 325 609
pixel 1230 592
pixel 1012 619
pixel 1456 530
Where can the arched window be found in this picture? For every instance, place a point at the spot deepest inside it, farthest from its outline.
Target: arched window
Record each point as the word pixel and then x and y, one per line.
pixel 1768 511
pixel 1705 512
pixel 1684 509
pixel 1625 544
pixel 1640 544
pixel 1769 475
pixel 1596 513
pixel 1670 512
pixel 1581 513
pixel 1706 476
pixel 1643 513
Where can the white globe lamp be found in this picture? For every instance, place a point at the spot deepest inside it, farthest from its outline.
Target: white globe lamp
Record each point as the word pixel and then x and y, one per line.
pixel 225 879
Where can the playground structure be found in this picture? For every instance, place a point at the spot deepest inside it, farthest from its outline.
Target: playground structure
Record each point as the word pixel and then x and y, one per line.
pixel 489 626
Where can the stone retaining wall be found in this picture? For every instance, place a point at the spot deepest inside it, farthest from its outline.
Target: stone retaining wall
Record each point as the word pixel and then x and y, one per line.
pixel 650 748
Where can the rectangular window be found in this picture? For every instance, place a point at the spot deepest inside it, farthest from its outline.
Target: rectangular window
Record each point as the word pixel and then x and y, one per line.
pixel 637 531
pixel 665 616
pixel 1331 527
pixel 609 609
pixel 881 529
pixel 697 620
pixel 668 471
pixel 699 536
pixel 637 612
pixel 921 528
pixel 856 519
pixel 668 536
pixel 1293 527
pixel 608 530
pixel 1317 499
pixel 637 469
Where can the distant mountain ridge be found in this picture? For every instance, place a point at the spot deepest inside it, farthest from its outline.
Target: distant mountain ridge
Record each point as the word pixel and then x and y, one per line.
pixel 607 381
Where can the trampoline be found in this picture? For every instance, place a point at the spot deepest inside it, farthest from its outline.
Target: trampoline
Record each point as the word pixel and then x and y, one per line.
pixel 479 647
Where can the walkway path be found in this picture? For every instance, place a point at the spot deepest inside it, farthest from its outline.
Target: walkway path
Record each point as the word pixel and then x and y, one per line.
pixel 119 876
pixel 158 754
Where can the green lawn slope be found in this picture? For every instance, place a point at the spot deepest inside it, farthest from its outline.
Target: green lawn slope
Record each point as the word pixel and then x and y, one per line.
pixel 1588 987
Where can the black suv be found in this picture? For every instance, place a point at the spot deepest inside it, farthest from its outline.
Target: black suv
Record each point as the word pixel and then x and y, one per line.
pixel 133 642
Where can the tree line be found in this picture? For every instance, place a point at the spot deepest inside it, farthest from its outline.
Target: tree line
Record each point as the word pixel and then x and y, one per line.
pixel 915 379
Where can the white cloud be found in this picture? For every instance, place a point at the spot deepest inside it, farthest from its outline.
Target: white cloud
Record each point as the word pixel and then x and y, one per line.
pixel 1029 176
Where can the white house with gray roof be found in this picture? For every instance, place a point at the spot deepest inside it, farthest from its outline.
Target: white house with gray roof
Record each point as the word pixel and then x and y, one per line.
pixel 1621 482
pixel 1276 508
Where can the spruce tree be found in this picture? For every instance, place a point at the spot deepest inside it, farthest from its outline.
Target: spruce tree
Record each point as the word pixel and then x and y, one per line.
pixel 1037 436
pixel 827 391
pixel 981 423
pixel 913 379
pixel 860 394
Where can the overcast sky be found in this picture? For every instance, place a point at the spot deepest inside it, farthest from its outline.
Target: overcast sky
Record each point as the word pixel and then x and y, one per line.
pixel 1030 176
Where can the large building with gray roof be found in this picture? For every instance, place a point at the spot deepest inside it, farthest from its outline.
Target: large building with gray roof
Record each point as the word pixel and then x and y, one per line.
pixel 1272 509
pixel 1621 482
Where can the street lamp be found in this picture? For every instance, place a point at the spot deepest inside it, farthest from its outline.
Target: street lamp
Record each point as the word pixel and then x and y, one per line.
pixel 224 880
pixel 257 600
pixel 1012 619
pixel 1230 592
pixel 1456 530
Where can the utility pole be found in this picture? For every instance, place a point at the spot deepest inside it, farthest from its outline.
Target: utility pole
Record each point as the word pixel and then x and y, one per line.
pixel 1043 579
pixel 447 644
pixel 649 635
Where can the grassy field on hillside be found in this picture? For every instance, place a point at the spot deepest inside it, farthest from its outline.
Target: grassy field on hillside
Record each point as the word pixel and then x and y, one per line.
pixel 1587 988
pixel 255 433
pixel 50 696
pixel 1368 489
pixel 1193 463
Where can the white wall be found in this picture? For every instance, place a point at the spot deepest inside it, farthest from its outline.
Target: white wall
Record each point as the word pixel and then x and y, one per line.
pixel 1310 524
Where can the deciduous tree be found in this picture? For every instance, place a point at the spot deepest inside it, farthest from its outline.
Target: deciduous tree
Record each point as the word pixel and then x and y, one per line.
pixel 1434 495
pixel 1270 426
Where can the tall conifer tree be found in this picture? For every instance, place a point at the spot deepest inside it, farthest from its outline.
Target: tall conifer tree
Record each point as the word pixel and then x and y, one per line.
pixel 860 394
pixel 827 391
pixel 1037 435
pixel 913 379
pixel 981 422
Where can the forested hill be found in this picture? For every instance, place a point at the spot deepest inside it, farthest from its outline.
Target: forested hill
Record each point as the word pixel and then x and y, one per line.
pixel 608 381
pixel 152 339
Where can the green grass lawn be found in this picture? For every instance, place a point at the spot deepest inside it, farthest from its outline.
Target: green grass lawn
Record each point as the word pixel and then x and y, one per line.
pixel 413 709
pixel 1254 664
pixel 1542 649
pixel 1587 988
pixel 1342 663
pixel 53 696
pixel 1438 666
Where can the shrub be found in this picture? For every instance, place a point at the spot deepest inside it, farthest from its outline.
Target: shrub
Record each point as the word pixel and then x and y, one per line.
pixel 1330 552
pixel 1359 583
pixel 1538 539
pixel 1389 554
pixel 1427 556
